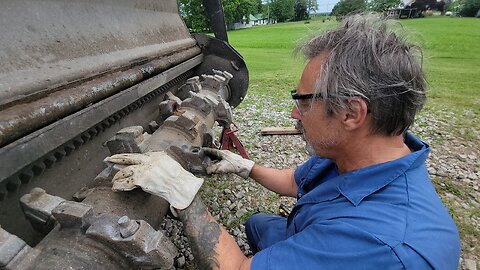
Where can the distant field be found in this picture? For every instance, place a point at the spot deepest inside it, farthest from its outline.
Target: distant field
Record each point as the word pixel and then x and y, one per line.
pixel 451 58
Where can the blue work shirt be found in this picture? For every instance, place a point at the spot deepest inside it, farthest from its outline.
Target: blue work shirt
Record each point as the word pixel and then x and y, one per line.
pixel 385 216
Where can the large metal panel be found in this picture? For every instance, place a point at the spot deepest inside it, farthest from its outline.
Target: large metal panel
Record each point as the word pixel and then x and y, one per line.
pixel 49 44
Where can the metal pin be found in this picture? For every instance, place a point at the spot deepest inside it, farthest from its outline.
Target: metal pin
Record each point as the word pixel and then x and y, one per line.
pixel 128 227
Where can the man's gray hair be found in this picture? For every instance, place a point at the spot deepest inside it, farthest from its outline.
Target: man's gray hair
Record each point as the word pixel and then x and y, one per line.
pixel 367 59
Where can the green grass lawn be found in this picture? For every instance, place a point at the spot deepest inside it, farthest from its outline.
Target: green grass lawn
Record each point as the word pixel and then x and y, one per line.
pixel 451 59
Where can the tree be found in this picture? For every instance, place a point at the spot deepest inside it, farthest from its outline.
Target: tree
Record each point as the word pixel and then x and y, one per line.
pixel 301 11
pixel 193 15
pixel 383 5
pixel 236 10
pixel 259 7
pixel 345 7
pixel 282 10
pixel 312 6
pixel 230 8
pixel 247 8
pixel 470 8
pixel 425 5
pixel 303 8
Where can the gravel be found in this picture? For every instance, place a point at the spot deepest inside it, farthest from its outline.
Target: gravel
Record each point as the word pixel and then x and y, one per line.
pixel 453 166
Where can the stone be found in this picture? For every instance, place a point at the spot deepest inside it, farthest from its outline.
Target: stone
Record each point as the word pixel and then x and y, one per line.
pixel 442 172
pixel 174 231
pixel 467 181
pixel 239 195
pixel 240 243
pixel 450 195
pixel 215 206
pixel 475 204
pixel 472 176
pixel 168 225
pixel 240 213
pixel 469 264
pixel 181 262
pixel 462 157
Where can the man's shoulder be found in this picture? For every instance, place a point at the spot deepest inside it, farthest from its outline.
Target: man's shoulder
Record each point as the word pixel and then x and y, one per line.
pixel 405 216
pixel 328 245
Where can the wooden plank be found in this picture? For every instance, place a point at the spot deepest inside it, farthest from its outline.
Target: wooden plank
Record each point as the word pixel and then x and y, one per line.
pixel 280 131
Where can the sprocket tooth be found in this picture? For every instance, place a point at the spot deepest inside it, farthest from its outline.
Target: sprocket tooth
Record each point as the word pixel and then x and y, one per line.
pixel 86 137
pixel 49 160
pixel 13 184
pixel 25 176
pixel 69 148
pixel 3 193
pixel 38 168
pixel 60 154
pixel 77 142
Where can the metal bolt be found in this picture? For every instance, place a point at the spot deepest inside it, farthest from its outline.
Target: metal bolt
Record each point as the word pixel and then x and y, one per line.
pixel 128 227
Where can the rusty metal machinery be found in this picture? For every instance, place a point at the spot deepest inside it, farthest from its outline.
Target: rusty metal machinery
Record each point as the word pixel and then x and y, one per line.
pixel 80 81
pixel 103 229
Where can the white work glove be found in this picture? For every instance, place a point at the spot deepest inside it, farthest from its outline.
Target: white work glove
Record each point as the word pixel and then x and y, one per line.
pixel 228 162
pixel 158 174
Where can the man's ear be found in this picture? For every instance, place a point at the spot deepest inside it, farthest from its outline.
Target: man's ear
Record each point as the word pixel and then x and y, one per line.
pixel 354 116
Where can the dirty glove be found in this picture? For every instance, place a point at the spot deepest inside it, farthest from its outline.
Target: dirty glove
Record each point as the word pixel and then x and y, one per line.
pixel 228 162
pixel 158 174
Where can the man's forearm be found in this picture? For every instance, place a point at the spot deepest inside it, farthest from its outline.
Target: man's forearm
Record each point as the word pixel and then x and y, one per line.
pixel 276 180
pixel 211 244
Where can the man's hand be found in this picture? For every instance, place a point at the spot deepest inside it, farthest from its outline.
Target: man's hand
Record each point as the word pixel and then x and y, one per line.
pixel 228 162
pixel 158 174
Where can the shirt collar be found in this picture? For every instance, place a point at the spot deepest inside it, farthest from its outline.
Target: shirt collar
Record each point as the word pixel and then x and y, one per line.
pixel 357 185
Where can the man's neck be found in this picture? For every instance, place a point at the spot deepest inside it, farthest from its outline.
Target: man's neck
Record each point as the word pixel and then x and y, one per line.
pixel 368 151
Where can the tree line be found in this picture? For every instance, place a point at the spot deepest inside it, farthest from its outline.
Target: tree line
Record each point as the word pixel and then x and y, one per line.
pixel 464 8
pixel 193 14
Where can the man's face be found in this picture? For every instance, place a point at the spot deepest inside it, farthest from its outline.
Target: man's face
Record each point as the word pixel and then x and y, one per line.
pixel 320 130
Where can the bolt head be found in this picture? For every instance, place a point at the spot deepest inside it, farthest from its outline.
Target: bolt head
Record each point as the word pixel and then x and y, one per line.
pixel 123 221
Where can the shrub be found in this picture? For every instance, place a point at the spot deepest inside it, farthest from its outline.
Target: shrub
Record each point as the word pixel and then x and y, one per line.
pixel 469 8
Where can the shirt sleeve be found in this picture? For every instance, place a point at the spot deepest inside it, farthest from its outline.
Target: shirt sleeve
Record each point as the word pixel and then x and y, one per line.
pixel 328 245
pixel 302 171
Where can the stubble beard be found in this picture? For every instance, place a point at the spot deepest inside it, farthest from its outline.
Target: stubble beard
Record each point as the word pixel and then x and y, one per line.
pixel 319 147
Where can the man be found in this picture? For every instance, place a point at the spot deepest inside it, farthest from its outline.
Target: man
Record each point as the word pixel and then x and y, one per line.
pixel 365 200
